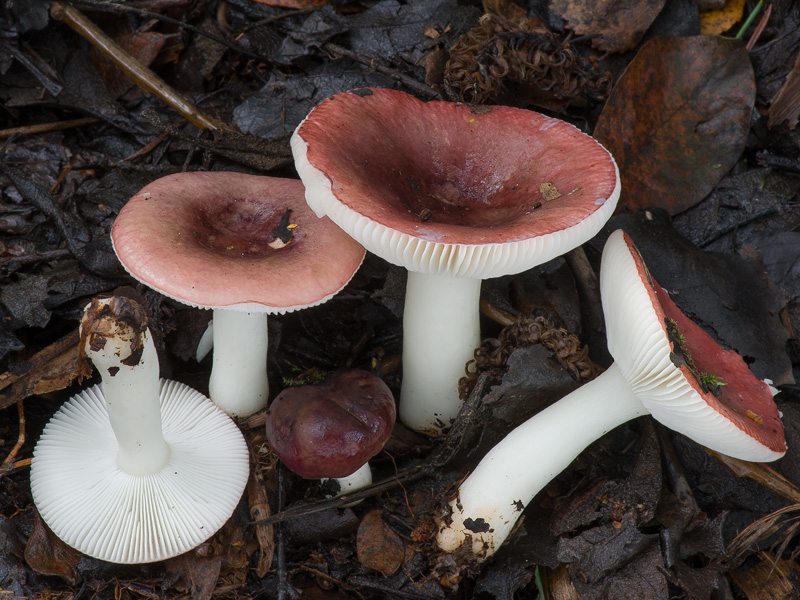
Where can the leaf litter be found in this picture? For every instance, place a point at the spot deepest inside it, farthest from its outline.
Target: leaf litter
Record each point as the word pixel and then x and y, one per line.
pixel 701 148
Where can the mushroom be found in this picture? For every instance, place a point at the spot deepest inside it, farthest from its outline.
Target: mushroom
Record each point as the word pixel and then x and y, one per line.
pixel 332 429
pixel 135 469
pixel 661 358
pixel 454 194
pixel 243 245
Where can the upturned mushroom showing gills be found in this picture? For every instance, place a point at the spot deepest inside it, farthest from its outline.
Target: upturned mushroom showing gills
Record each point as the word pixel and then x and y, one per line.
pixel 331 430
pixel 454 194
pixel 135 469
pixel 243 245
pixel 661 361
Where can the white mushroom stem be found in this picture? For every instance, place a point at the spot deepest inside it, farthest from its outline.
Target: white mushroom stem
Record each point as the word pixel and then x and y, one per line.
pixel 491 499
pixel 132 397
pixel 441 329
pixel 238 383
pixel 353 482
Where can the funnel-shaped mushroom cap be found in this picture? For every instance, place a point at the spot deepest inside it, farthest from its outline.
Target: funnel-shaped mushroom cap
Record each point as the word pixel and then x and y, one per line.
pixel 334 428
pixel 96 507
pixel 662 354
pixel 444 188
pixel 210 240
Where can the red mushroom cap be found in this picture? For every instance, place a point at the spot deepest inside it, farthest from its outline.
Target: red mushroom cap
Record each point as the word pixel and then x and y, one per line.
pixel 334 428
pixel 663 365
pixel 381 163
pixel 204 238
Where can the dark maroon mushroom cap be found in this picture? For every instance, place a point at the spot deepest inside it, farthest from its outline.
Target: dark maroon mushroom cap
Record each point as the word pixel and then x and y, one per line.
pixel 334 428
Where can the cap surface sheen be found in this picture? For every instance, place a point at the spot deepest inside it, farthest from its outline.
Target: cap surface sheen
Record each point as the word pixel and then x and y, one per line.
pixel 203 238
pixel 96 508
pixel 442 187
pixel 742 422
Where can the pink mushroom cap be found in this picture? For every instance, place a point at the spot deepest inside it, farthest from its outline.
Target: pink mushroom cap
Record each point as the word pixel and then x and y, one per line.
pixel 203 238
pixel 405 176
pixel 334 428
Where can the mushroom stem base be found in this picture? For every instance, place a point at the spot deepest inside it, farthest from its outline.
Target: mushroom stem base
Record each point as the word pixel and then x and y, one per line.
pixel 492 498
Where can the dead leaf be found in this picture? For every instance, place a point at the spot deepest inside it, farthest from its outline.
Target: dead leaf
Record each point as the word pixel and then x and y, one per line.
pixel 785 106
pixel 620 25
pixel 549 191
pixel 678 119
pixel 717 21
pixel 48 555
pixel 763 474
pixel 768 580
pixel 378 546
pixel 195 573
pixel 598 552
pixel 49 370
pixel 259 509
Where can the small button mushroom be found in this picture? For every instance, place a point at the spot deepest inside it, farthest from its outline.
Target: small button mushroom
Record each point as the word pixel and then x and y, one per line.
pixel 332 429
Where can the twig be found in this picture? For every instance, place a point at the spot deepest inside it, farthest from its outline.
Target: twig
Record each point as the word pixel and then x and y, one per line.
pixel 588 287
pixel 148 147
pixel 10 461
pixel 115 6
pixel 141 75
pixel 373 63
pixel 759 29
pixel 285 589
pixel 259 509
pixel 47 127
pixel 273 18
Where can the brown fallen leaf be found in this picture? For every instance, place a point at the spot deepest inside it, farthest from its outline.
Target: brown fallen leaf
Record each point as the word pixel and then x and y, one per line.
pixel 48 555
pixel 768 580
pixel 195 573
pixel 761 473
pixel 785 106
pixel 259 509
pixel 49 370
pixel 618 25
pixel 678 119
pixel 378 546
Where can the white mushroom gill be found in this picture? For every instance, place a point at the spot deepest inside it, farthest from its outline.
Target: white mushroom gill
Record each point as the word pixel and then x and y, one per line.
pixel 135 469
